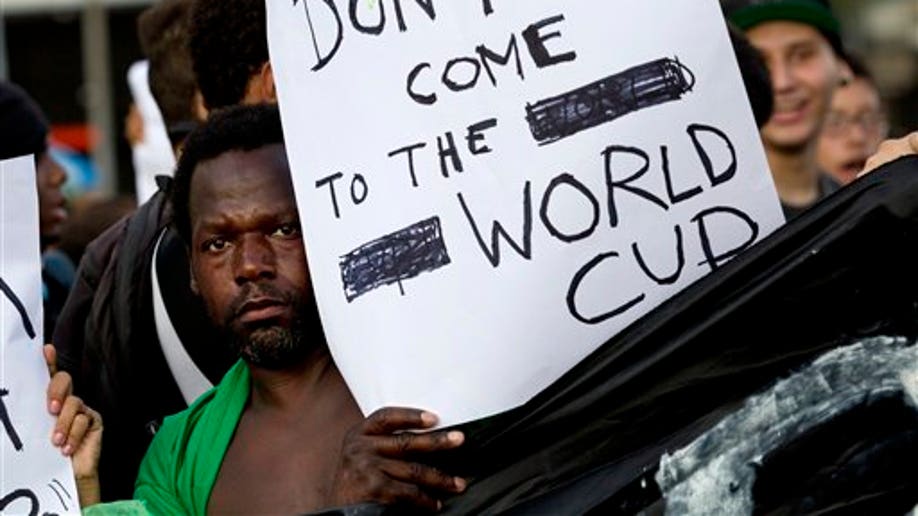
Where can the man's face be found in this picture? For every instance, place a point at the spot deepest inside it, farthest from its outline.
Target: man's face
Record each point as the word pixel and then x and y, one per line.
pixel 52 212
pixel 247 256
pixel 804 73
pixel 853 130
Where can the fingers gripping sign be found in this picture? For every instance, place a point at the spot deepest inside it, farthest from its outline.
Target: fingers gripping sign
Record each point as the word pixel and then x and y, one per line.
pixel 77 430
pixel 381 461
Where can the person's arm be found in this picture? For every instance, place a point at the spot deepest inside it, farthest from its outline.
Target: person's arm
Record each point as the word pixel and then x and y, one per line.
pixel 77 431
pixel 380 462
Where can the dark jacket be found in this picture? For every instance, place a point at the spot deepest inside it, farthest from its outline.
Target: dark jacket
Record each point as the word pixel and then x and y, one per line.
pixel 106 337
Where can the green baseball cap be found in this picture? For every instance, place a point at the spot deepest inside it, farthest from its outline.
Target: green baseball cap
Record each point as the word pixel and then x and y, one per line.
pixel 818 14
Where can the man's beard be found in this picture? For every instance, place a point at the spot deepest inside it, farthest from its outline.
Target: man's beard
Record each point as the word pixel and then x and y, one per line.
pixel 270 345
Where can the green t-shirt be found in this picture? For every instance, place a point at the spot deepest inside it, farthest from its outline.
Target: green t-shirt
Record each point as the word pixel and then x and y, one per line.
pixel 180 468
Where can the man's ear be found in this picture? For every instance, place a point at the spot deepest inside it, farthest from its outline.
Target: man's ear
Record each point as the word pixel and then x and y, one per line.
pixel 845 73
pixel 197 105
pixel 261 86
pixel 267 77
pixel 193 283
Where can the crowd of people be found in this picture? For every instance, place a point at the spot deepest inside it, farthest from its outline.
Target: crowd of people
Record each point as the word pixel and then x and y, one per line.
pixel 264 422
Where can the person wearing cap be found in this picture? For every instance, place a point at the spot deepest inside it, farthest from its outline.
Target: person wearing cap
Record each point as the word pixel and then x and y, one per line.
pixel 800 41
pixel 24 131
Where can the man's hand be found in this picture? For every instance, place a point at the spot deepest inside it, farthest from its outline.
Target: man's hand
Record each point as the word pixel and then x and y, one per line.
pixel 77 431
pixel 891 150
pixel 377 461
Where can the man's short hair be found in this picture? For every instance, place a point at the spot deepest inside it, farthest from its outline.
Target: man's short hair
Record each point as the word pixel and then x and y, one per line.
pixel 859 69
pixel 229 44
pixel 238 128
pixel 163 33
pixel 818 14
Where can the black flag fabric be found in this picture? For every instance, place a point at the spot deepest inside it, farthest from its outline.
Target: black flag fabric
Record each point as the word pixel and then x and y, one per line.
pixel 728 366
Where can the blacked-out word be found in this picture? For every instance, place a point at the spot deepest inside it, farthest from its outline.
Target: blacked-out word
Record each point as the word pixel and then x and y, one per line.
pixel 393 258
pixel 640 87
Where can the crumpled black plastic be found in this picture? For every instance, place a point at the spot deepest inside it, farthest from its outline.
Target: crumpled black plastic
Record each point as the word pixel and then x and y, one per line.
pixel 845 270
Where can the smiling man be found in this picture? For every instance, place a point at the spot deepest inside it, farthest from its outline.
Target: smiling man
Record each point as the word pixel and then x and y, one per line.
pixel 800 42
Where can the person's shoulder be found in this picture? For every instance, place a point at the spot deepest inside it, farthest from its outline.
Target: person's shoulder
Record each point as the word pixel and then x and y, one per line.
pixel 184 422
pixel 185 449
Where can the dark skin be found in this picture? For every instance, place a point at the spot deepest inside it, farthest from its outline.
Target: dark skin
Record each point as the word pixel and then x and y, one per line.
pixel 301 443
pixel 50 177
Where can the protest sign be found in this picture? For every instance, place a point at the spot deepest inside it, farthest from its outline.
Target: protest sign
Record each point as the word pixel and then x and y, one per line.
pixel 489 190
pixel 34 477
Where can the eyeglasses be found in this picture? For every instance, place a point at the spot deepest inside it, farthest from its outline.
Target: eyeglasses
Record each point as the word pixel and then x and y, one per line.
pixel 838 124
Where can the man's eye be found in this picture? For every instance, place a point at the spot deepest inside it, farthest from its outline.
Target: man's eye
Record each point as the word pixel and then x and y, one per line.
pixel 287 230
pixel 835 120
pixel 215 245
pixel 803 54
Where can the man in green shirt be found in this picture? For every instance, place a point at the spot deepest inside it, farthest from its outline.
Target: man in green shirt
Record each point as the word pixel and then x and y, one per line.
pixel 281 433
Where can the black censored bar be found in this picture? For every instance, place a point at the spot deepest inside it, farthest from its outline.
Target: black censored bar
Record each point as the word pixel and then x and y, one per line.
pixel 643 86
pixel 402 255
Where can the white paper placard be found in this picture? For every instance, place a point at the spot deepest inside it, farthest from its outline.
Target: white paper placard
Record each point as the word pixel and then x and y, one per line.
pixel 34 477
pixel 612 141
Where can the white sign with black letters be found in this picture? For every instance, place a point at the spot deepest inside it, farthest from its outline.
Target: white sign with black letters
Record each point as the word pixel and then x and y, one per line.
pixel 34 477
pixel 490 190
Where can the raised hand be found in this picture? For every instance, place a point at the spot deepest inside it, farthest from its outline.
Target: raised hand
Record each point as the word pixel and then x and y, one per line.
pixel 77 430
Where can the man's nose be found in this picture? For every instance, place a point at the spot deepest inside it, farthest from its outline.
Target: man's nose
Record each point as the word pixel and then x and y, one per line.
pixel 857 132
pixel 58 174
pixel 50 172
pixel 254 259
pixel 782 75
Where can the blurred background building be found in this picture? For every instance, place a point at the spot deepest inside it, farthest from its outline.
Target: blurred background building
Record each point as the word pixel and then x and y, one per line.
pixel 73 56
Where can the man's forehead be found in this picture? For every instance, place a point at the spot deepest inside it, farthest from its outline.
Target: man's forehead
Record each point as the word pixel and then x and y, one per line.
pixel 240 173
pixel 242 165
pixel 265 155
pixel 856 94
pixel 253 207
pixel 777 34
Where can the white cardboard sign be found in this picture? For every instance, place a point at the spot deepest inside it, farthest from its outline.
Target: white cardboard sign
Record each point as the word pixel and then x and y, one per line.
pixel 34 477
pixel 489 189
